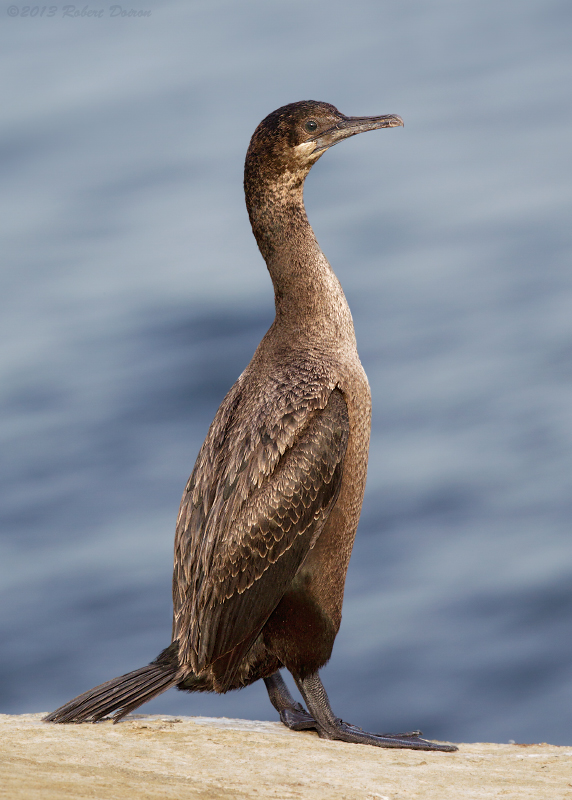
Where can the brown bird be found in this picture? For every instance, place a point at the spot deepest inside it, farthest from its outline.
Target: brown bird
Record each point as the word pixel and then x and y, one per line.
pixel 268 518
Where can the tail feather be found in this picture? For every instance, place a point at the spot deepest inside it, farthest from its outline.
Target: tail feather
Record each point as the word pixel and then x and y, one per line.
pixel 123 694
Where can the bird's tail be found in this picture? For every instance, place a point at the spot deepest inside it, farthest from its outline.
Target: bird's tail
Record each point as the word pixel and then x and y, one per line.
pixel 122 694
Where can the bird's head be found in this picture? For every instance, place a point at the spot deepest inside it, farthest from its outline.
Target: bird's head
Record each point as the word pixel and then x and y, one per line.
pixel 291 139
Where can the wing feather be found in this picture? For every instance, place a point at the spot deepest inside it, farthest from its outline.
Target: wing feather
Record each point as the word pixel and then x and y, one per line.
pixel 253 508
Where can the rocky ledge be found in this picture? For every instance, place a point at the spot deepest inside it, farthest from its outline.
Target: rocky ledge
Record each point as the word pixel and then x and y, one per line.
pixel 196 757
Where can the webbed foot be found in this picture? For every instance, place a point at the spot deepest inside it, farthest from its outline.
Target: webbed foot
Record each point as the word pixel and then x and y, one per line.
pixel 330 727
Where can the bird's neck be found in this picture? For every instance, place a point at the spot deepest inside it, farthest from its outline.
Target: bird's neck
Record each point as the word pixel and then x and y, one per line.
pixel 307 294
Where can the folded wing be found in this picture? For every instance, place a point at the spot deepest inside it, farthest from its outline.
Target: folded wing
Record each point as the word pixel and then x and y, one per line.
pixel 256 502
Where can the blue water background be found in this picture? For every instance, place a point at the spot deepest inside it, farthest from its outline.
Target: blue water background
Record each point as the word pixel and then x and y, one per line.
pixel 132 295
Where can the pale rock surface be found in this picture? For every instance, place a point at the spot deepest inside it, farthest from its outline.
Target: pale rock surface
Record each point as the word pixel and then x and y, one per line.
pixel 197 757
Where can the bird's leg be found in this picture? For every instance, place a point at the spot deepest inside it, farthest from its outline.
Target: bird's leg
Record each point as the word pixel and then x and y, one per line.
pixel 292 714
pixel 330 727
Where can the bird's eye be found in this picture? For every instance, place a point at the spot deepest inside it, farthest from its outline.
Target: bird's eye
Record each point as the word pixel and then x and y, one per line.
pixel 311 126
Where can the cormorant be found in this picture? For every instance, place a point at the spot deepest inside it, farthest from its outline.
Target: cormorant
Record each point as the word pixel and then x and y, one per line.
pixel 268 517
